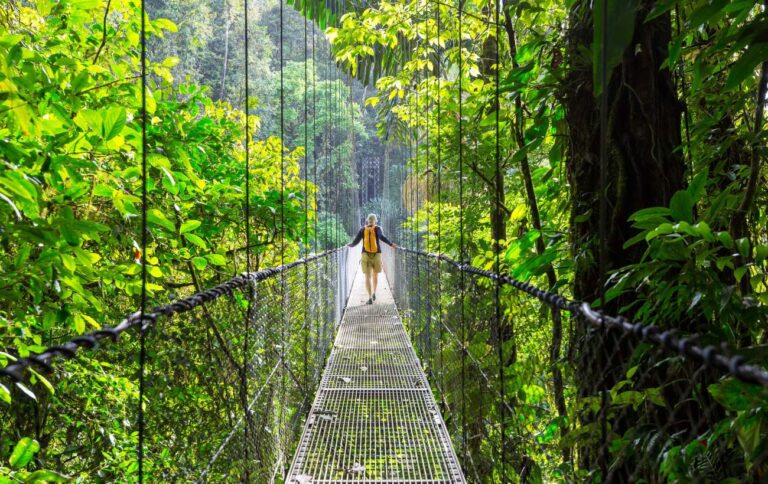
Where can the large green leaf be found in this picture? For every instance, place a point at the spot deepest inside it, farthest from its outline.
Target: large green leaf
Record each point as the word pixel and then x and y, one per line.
pixel 747 64
pixel 44 475
pixel 196 240
pixel 157 217
pixel 738 396
pixel 113 122
pixel 620 26
pixel 200 263
pixel 23 453
pixel 88 120
pixel 681 206
pixel 5 394
pixel 189 226
pixel 216 259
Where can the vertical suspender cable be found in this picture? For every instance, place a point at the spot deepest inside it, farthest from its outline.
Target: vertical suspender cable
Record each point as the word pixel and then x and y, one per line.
pixel 249 308
pixel 327 174
pixel 343 160
pixel 497 252
pixel 144 203
pixel 337 149
pixel 314 131
pixel 339 158
pixel 306 205
pixel 332 192
pixel 282 244
pixel 327 164
pixel 353 147
pixel 412 207
pixel 282 140
pixel 416 154
pixel 603 223
pixel 438 72
pixel 331 165
pixel 306 209
pixel 462 283
pixel 329 155
pixel 317 332
pixel 428 184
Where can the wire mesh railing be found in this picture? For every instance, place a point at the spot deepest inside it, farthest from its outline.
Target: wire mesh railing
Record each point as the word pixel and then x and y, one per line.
pixel 642 404
pixel 227 383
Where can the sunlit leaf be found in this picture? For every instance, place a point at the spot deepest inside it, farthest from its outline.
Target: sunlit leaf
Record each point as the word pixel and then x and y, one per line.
pixel 22 454
pixel 189 226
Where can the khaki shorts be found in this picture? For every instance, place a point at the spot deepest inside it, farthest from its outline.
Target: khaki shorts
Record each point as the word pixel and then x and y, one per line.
pixel 370 262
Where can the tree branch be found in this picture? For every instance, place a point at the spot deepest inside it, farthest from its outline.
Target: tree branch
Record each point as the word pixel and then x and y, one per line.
pixel 103 33
pixel 525 168
pixel 489 182
pixel 254 245
pixel 107 84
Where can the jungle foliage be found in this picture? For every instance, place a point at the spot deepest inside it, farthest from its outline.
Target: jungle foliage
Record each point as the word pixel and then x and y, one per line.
pixel 498 115
pixel 502 114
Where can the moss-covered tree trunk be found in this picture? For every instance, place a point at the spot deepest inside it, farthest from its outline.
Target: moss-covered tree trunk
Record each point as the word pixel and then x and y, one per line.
pixel 644 169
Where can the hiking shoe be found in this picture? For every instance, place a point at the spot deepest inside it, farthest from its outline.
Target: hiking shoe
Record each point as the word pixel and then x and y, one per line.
pixel 370 301
pixel 374 296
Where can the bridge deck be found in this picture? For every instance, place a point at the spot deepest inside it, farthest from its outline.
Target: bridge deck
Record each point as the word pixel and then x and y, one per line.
pixel 374 418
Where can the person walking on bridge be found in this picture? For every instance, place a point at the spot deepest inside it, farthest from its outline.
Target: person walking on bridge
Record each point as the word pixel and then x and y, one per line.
pixel 372 237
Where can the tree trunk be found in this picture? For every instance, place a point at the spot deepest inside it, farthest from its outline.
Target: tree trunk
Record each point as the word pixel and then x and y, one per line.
pixel 643 170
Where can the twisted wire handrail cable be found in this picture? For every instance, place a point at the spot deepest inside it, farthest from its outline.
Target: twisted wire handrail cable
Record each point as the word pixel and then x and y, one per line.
pixel 69 349
pixel 667 339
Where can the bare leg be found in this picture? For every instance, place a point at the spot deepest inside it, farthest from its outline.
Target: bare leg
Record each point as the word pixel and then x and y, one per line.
pixel 375 281
pixel 368 282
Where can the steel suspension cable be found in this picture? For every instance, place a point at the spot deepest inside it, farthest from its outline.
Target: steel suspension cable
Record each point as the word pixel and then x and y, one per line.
pixel 326 158
pixel 249 299
pixel 428 183
pixel 353 152
pixel 283 313
pixel 144 228
pixel 497 249
pixel 306 206
pixel 462 282
pixel 328 132
pixel 413 236
pixel 603 222
pixel 336 148
pixel 314 132
pixel 416 155
pixel 439 60
pixel 317 194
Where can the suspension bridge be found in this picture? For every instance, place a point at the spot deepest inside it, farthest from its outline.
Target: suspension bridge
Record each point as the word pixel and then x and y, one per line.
pixel 461 371
pixel 374 416
pixel 377 416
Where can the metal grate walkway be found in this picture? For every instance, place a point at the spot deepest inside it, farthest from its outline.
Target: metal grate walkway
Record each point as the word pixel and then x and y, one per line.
pixel 374 418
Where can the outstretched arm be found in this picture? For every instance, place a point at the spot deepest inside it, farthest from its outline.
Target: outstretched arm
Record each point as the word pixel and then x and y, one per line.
pixel 357 240
pixel 385 240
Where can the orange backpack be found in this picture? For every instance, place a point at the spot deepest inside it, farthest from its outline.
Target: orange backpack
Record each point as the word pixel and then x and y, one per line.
pixel 370 244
